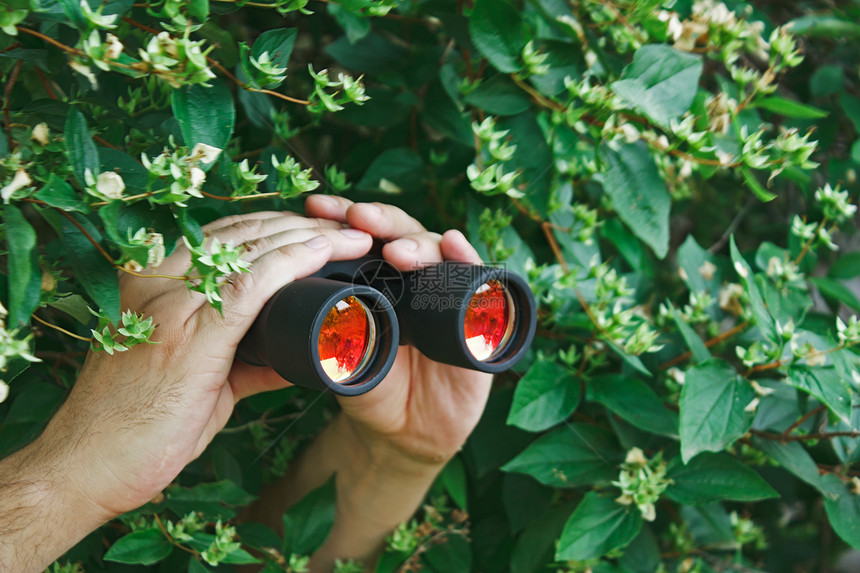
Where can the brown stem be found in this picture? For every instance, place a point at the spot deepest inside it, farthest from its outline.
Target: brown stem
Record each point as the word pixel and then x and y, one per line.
pixel 537 96
pixel 763 367
pixel 217 65
pixel 63 330
pixel 6 93
pixel 807 437
pixel 803 419
pixel 107 256
pixel 53 42
pixel 808 243
pixel 712 342
pixel 45 84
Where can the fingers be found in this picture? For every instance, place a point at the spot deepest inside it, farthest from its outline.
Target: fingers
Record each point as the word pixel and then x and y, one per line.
pixel 382 221
pixel 247 380
pixel 243 228
pixel 413 251
pixel 327 207
pixel 245 295
pixel 418 250
pixel 455 247
pixel 358 245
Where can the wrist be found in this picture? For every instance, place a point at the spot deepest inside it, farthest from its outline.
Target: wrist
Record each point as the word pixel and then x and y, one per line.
pixel 381 455
pixel 50 514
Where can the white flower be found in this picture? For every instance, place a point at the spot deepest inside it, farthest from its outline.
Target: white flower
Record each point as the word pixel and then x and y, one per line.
pixel 4 391
pixel 636 456
pixel 707 270
pixel 41 134
pixel 631 134
pixel 205 153
pixel 110 185
pixel 198 177
pixel 19 181
pixel 114 47
pixel 156 251
pixel 84 71
pixel 96 18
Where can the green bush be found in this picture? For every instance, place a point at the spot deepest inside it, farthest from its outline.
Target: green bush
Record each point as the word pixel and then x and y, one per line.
pixel 673 179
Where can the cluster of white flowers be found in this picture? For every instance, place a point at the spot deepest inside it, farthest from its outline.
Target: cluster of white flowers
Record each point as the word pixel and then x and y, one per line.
pixel 177 60
pixel 11 347
pixel 642 482
pixel 495 150
pixel 180 174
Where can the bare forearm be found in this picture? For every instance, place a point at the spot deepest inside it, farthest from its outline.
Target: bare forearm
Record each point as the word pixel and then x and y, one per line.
pixel 376 490
pixel 40 516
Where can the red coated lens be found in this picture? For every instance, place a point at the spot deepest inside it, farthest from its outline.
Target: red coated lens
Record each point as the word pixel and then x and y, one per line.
pixel 346 339
pixel 489 320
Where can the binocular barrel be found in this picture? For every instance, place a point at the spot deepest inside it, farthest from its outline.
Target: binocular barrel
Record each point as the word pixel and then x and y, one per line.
pixel 339 329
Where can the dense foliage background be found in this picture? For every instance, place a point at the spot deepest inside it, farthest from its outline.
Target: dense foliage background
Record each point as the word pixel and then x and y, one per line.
pixel 674 179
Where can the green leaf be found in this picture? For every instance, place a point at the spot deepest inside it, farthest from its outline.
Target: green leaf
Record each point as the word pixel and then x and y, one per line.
pixel 826 385
pixel 279 43
pixel 638 194
pixel 72 10
pixel 25 276
pixel 792 457
pixel 143 547
pixel 755 186
pixel 455 482
pixel 224 491
pixel 74 305
pixel 308 522
pixel 790 108
pixel 534 545
pixel 80 148
pixel 544 397
pixel 694 342
pixel 533 157
pixel 692 258
pixel 635 402
pixel 353 25
pixel 198 9
pixel 205 115
pixel 499 96
pixel 92 270
pixel 712 408
pixel 395 171
pixel 763 318
pixel 57 193
pixel 843 510
pixel 570 456
pixel 195 566
pixel 453 556
pixel 715 477
pixel 598 526
pixel 496 29
pixel 846 267
pixel 825 25
pixel 838 291
pixel 851 107
pixel 661 82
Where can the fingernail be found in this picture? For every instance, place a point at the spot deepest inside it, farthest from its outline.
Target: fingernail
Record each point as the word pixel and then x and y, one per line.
pixel 318 242
pixel 407 244
pixel 374 209
pixel 354 233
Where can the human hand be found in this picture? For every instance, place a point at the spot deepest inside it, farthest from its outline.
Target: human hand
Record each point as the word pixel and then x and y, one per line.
pixel 135 419
pixel 423 411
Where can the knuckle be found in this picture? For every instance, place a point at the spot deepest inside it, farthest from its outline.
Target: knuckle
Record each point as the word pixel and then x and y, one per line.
pixel 244 230
pixel 256 247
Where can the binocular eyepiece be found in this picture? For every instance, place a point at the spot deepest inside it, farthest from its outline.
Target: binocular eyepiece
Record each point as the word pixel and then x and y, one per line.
pixel 339 329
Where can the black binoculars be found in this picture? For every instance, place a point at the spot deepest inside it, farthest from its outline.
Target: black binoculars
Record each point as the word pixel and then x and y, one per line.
pixel 339 328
